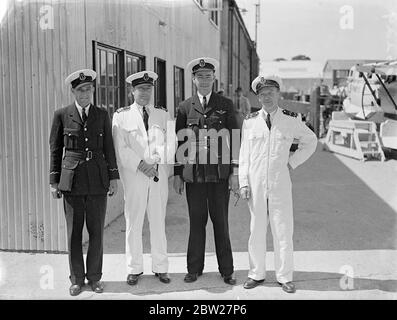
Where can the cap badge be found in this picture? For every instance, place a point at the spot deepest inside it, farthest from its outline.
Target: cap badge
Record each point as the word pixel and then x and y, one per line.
pixel 263 80
pixel 82 76
pixel 202 63
pixel 146 77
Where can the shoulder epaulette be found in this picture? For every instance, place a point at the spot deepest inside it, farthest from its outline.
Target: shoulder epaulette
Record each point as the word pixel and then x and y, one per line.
pixel 252 115
pixel 161 108
pixel 290 113
pixel 123 109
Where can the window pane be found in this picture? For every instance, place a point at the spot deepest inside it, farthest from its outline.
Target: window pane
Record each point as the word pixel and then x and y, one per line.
pixel 130 97
pixel 115 70
pixel 103 97
pixel 103 67
pixel 135 67
pixel 116 98
pixel 110 69
pixel 178 87
pixel 98 63
pixel 129 66
pixel 110 101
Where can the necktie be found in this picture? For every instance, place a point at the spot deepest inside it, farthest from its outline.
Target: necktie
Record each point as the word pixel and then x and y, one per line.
pixel 145 118
pixel 204 102
pixel 84 115
pixel 268 122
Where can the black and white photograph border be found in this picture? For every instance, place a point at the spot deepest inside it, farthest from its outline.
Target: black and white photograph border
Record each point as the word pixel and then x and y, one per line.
pixel 337 61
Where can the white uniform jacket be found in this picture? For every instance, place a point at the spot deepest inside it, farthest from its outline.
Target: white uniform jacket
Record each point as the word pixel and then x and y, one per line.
pixel 142 194
pixel 263 166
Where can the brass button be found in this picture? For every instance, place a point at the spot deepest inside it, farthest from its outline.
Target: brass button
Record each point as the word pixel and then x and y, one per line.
pixel 86 159
pixel 205 126
pixel 205 116
pixel 86 149
pixel 85 129
pixel 86 139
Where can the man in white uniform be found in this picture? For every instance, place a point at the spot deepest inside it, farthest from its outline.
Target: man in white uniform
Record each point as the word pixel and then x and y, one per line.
pixel 265 182
pixel 139 133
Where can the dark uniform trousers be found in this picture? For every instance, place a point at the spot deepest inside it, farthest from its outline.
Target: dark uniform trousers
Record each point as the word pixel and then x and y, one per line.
pixel 207 186
pixel 212 197
pixel 83 162
pixel 90 209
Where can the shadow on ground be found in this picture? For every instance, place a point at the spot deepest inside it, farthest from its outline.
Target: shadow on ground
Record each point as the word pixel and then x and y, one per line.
pixel 213 283
pixel 333 210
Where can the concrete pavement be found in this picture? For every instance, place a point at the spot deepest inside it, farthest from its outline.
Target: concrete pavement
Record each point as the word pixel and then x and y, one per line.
pixel 345 245
pixel 367 274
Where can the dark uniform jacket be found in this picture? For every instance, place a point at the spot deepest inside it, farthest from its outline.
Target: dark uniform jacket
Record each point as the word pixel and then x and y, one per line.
pixel 219 114
pixel 82 156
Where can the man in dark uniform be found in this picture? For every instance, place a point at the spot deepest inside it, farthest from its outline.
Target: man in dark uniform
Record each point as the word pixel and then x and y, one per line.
pixel 207 180
pixel 83 168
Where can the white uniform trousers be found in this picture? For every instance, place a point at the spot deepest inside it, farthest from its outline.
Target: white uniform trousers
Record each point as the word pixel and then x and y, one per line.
pixel 143 195
pixel 280 216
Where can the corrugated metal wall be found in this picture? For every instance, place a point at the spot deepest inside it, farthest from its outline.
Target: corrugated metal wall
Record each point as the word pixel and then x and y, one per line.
pixel 35 58
pixel 40 44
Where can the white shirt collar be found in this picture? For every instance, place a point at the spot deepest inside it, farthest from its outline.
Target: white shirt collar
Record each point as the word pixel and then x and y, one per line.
pixel 208 96
pixel 272 114
pixel 140 108
pixel 80 109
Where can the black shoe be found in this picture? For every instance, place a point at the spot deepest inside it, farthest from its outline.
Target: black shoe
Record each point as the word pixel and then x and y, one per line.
pixel 164 277
pixel 191 277
pixel 132 279
pixel 288 287
pixel 229 279
pixel 251 283
pixel 96 286
pixel 75 289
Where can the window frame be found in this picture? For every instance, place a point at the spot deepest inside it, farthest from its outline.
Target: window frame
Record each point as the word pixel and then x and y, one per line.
pixel 217 15
pixel 142 60
pixel 121 74
pixel 199 3
pixel 159 82
pixel 181 72
pixel 118 85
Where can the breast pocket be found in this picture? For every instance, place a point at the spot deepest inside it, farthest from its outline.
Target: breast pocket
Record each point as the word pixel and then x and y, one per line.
pixel 283 140
pixel 257 142
pixel 217 121
pixel 191 122
pixel 70 138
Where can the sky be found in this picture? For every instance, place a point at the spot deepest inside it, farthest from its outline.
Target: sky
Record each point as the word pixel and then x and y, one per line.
pixel 323 29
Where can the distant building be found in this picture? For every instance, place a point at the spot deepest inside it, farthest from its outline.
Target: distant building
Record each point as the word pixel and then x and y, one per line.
pixel 239 62
pixel 336 71
pixel 298 76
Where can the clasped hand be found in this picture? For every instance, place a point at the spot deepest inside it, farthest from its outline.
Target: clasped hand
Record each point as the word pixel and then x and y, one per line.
pixel 147 169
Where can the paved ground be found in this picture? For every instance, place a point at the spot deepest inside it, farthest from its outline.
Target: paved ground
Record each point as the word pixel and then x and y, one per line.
pixel 345 245
pixel 339 204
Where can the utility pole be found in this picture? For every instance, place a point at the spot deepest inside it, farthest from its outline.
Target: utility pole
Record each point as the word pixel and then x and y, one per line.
pixel 257 20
